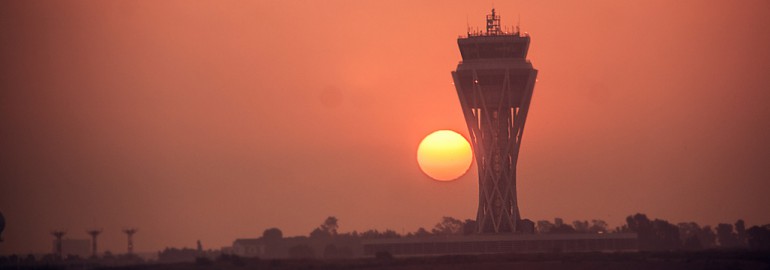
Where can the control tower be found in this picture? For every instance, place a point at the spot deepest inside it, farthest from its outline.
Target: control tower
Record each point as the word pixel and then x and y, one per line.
pixel 494 82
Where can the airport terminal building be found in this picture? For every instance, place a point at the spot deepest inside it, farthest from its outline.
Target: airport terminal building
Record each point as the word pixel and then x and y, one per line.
pixel 503 243
pixel 435 245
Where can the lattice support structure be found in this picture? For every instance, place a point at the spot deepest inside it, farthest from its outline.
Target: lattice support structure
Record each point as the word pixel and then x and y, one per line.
pixel 494 83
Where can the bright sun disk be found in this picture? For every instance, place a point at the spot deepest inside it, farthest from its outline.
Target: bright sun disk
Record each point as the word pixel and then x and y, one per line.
pixel 444 155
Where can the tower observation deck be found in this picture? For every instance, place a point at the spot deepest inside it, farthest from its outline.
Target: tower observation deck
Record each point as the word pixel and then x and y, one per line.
pixel 494 82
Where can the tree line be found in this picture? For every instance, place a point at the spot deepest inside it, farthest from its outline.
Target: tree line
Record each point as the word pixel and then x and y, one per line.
pixel 653 234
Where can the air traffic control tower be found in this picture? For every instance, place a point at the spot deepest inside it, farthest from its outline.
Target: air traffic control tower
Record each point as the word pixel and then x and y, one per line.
pixel 494 81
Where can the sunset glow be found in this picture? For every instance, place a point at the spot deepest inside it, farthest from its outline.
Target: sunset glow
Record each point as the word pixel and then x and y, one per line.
pixel 216 120
pixel 444 155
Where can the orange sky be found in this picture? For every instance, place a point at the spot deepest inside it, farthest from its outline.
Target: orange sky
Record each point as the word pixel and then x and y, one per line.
pixel 216 120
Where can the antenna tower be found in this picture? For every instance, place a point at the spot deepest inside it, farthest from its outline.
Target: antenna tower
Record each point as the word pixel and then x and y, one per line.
pixel 493 24
pixel 94 234
pixel 58 234
pixel 130 233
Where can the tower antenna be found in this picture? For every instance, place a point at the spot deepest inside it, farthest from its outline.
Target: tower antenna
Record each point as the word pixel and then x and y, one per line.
pixel 467 25
pixel 58 234
pixel 130 233
pixel 94 234
pixel 493 24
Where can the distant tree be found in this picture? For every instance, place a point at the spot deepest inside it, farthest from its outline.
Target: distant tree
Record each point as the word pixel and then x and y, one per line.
pixel 177 255
pixel 374 234
pixel 526 226
pixel 758 237
pixel 638 223
pixel 560 227
pixel 707 237
pixel 689 233
pixel 389 234
pixel 654 235
pixel 580 226
pixel 544 226
pixel 666 235
pixel 692 243
pixel 370 234
pixel 598 226
pixel 558 222
pixel 328 228
pixel 469 227
pixel 740 233
pixel 727 238
pixel 330 225
pixel 622 229
pixel 447 226
pixel 421 232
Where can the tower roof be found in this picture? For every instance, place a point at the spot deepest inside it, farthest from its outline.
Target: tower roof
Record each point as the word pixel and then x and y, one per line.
pixel 493 28
pixel 494 43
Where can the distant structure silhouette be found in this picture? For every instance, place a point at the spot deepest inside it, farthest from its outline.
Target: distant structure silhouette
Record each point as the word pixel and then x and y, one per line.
pixel 494 82
pixel 94 234
pixel 58 235
pixel 130 233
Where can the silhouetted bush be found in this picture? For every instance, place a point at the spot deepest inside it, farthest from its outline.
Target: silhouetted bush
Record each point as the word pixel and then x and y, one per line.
pixel 759 237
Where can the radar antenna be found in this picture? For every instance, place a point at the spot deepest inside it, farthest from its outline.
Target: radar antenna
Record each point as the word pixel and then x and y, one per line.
pixel 58 234
pixel 94 233
pixel 493 24
pixel 130 233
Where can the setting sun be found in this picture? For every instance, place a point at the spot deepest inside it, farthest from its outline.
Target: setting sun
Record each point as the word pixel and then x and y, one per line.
pixel 444 155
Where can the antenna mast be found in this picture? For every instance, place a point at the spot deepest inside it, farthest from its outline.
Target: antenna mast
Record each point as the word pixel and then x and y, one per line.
pixel 130 233
pixel 493 24
pixel 58 234
pixel 94 233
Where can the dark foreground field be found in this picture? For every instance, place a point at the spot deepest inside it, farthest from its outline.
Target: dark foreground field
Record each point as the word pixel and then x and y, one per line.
pixel 624 261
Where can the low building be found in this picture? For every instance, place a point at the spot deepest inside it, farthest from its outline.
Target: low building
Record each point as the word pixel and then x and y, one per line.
pixel 350 247
pixel 502 243
pixel 249 247
pixel 299 247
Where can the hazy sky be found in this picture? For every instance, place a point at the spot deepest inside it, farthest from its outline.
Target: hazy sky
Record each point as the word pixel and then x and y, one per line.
pixel 215 120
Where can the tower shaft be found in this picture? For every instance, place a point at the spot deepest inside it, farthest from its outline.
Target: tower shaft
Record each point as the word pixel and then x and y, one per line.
pixel 494 83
